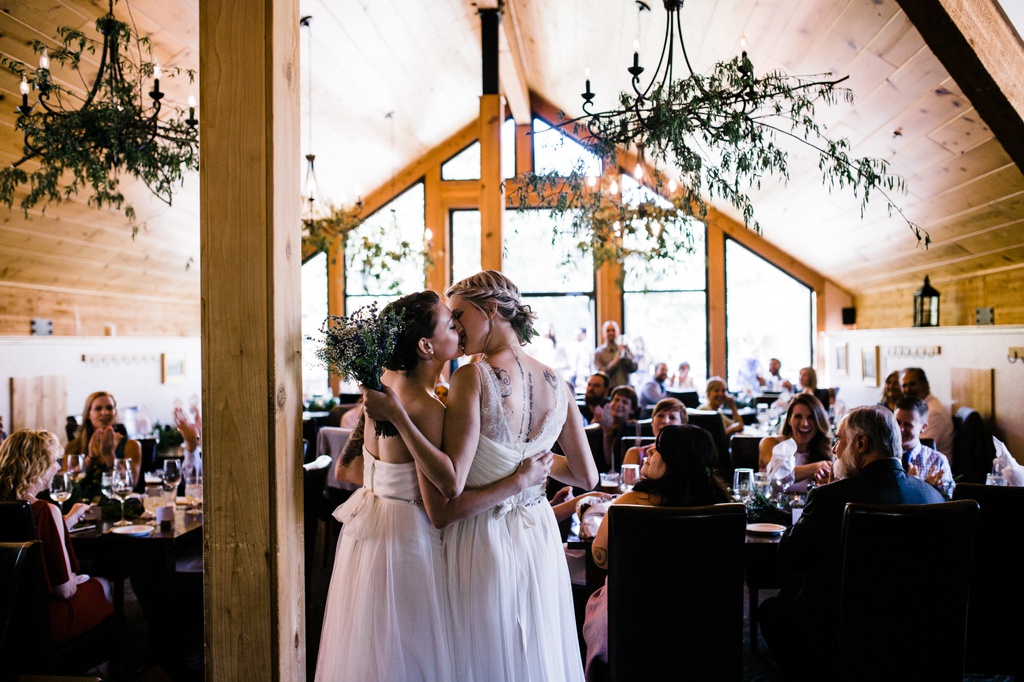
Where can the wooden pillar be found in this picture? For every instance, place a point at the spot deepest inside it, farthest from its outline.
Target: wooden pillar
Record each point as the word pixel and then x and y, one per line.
pixel 437 222
pixel 251 253
pixel 492 115
pixel 336 292
pixel 716 298
pixel 524 148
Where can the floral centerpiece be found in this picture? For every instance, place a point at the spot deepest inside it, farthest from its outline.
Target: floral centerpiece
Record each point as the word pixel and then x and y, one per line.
pixel 357 347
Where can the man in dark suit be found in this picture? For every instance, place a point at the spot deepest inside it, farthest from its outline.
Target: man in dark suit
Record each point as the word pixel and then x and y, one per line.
pixel 800 623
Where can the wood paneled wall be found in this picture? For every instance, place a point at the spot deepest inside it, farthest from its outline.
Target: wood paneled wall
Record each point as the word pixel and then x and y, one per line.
pixel 894 308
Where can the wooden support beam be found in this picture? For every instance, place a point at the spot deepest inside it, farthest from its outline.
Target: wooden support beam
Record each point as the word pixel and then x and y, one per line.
pixel 979 47
pixel 511 59
pixel 717 343
pixel 492 191
pixel 254 592
pixel 336 294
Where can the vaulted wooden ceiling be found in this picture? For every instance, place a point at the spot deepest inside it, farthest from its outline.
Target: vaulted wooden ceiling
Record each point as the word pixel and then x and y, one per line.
pixel 421 61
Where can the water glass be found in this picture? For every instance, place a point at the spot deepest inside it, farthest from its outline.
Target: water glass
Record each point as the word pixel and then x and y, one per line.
pixel 763 417
pixel 994 479
pixel 609 482
pixel 194 490
pixel 762 483
pixel 742 483
pixel 630 476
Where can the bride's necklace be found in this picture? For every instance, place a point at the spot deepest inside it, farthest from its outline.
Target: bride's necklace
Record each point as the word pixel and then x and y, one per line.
pixel 498 350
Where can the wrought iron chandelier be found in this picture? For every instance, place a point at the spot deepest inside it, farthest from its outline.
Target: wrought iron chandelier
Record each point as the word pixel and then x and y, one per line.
pixel 89 140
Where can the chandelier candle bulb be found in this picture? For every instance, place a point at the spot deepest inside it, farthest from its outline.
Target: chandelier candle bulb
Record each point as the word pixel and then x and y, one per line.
pixel 44 60
pixel 638 172
pixel 614 187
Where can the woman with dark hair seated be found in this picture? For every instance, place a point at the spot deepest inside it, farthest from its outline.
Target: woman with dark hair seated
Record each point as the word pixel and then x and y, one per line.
pixel 676 473
pixel 28 461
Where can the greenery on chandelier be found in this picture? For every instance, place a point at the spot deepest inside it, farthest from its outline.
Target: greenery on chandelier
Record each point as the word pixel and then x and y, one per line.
pixel 79 141
pixel 721 135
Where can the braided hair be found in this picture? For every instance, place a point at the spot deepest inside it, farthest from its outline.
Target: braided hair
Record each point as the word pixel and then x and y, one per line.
pixel 490 287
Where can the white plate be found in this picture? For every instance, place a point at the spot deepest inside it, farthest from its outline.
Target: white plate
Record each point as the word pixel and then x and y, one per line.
pixel 137 531
pixel 765 528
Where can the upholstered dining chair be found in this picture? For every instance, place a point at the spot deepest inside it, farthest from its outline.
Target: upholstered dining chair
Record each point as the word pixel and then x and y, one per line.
pixel 995 628
pixel 711 421
pixel 671 615
pixel 903 595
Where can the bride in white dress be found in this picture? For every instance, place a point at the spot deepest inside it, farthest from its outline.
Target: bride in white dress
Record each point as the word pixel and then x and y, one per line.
pixel 508 583
pixel 387 617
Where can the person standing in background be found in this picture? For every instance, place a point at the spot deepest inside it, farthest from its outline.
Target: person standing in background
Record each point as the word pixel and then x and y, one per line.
pixel 614 357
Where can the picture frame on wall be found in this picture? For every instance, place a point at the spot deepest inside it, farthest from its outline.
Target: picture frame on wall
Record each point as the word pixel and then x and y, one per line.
pixel 173 368
pixel 870 361
pixel 842 359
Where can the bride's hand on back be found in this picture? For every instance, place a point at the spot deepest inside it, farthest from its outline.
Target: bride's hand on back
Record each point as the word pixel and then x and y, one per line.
pixel 534 470
pixel 381 405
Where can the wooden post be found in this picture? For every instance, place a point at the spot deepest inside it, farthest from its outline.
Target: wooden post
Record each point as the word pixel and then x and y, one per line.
pixel 336 292
pixel 492 115
pixel 609 278
pixel 437 222
pixel 717 360
pixel 251 252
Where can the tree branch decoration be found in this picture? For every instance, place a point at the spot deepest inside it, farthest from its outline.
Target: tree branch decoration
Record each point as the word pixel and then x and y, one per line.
pixel 720 134
pixel 91 140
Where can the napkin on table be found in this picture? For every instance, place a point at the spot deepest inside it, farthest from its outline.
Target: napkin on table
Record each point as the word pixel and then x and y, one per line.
pixel 783 462
pixel 1013 473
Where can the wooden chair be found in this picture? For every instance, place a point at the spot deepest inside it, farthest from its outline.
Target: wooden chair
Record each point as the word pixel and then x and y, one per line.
pixel 903 596
pixel 670 616
pixel 995 629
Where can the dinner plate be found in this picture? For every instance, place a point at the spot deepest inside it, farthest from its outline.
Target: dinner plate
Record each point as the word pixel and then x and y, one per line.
pixel 765 528
pixel 137 531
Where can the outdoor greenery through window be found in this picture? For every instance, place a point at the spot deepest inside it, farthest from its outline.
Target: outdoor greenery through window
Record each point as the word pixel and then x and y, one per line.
pixel 665 304
pixel 465 244
pixel 314 312
pixel 769 314
pixel 402 219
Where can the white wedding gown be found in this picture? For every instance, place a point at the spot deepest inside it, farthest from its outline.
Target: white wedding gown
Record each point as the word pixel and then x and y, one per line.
pixel 386 616
pixel 508 582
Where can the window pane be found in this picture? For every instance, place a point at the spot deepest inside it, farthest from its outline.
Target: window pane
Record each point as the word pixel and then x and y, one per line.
pixel 465 244
pixel 508 149
pixel 555 152
pixel 768 315
pixel 559 319
pixel 463 166
pixel 539 260
pixel 400 220
pixel 314 312
pixel 668 327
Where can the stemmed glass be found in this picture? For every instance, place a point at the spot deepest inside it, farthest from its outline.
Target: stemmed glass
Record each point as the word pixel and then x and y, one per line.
pixel 763 417
pixel 172 473
pixel 194 489
pixel 742 484
pixel 76 467
pixel 629 477
pixel 121 486
pixel 60 488
pixel 773 420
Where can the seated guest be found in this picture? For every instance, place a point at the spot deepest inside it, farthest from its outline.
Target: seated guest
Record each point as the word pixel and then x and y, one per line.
pixel 668 412
pixel 98 439
pixel 800 623
pixel 774 380
pixel 940 422
pixel 28 461
pixel 614 425
pixel 192 437
pixel 809 384
pixel 921 461
pixel 654 390
pixel 595 397
pixel 718 397
pixel 676 473
pixel 683 381
pixel 892 391
pixel 805 448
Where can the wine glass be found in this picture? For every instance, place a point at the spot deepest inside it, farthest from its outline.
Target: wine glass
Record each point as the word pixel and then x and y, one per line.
pixel 774 415
pixel 60 488
pixel 106 480
pixel 194 490
pixel 121 487
pixel 742 484
pixel 763 417
pixel 76 467
pixel 172 473
pixel 629 477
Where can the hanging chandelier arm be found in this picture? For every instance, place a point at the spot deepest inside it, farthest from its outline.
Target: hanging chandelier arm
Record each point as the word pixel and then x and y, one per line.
pixel 666 45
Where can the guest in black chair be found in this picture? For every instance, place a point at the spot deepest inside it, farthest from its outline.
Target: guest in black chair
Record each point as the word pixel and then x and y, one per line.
pixel 98 439
pixel 595 397
pixel 28 461
pixel 718 397
pixel 676 473
pixel 800 623
pixel 614 425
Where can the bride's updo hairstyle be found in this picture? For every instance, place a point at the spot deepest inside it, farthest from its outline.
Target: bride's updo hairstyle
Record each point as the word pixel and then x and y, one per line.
pixel 419 318
pixel 490 287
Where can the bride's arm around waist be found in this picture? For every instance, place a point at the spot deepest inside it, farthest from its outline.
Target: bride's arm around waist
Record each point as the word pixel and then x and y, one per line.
pixel 577 466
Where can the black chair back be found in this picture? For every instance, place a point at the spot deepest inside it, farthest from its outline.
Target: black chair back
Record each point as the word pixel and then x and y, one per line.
pixel 745 452
pixel 688 398
pixel 973 450
pixel 19 563
pixel 16 522
pixel 995 628
pixel 711 421
pixel 670 616
pixel 904 585
pixel 595 438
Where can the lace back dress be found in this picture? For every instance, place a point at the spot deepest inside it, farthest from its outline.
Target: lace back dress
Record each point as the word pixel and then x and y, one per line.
pixel 386 616
pixel 508 582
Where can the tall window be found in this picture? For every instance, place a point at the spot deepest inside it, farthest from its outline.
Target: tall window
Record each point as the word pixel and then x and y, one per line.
pixel 553 151
pixel 557 282
pixel 314 312
pixel 466 164
pixel 665 304
pixel 769 314
pixel 465 244
pixel 402 219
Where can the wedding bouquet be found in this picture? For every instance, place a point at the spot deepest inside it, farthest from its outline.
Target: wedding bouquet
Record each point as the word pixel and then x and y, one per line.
pixel 356 348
